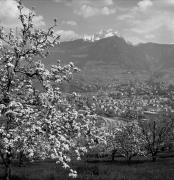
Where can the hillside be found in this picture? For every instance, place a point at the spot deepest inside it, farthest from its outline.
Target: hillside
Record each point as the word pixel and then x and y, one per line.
pixel 113 58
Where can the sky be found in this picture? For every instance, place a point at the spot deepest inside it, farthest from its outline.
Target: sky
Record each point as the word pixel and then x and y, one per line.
pixel 137 21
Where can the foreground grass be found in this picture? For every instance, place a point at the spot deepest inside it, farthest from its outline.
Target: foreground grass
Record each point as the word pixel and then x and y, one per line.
pixel 163 169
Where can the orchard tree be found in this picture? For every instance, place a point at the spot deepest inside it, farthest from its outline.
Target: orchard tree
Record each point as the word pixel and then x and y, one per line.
pixel 127 140
pixel 35 116
pixel 157 130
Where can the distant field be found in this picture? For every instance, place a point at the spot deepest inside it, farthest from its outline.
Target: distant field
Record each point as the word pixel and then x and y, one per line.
pixel 163 169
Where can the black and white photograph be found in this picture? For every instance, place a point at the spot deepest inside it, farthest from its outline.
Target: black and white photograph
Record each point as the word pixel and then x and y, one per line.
pixel 86 89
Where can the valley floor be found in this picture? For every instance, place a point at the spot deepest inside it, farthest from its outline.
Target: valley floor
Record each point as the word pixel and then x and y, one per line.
pixel 163 169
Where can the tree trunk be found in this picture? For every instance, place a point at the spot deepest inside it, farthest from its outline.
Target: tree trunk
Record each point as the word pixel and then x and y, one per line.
pixel 154 158
pixel 113 155
pixel 8 165
pixel 129 159
pixel 20 159
pixel 8 172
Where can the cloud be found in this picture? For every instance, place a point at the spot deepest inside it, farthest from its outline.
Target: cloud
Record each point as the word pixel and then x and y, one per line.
pixel 167 2
pixel 39 21
pixel 70 23
pixel 67 35
pixel 88 11
pixel 144 4
pixel 107 11
pixel 108 2
pixel 148 21
pixel 58 1
pixel 91 2
pixel 99 3
pixel 89 8
pixel 9 14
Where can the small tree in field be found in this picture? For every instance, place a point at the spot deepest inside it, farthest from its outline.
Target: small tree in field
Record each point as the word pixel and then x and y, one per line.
pixel 157 132
pixel 126 141
pixel 35 117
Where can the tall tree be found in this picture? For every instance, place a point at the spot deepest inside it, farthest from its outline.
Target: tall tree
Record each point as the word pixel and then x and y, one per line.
pixel 35 116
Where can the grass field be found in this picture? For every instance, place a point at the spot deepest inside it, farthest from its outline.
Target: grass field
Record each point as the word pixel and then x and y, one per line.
pixel 163 169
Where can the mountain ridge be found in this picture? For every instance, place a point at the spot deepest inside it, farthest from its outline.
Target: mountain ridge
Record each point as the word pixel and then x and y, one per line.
pixel 114 58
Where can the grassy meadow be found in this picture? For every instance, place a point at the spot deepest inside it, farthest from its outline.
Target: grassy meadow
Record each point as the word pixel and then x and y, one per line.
pixel 162 169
